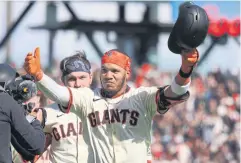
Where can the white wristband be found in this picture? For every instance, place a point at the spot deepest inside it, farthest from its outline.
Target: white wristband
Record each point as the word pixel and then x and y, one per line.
pixel 178 89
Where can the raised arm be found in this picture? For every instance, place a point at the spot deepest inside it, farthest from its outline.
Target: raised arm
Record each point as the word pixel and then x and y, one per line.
pixel 48 86
pixel 178 92
pixel 182 80
pixel 70 99
pixel 54 91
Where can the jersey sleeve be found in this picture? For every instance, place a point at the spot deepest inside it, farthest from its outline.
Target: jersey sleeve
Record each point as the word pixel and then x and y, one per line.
pixel 81 100
pixel 147 96
pixel 154 100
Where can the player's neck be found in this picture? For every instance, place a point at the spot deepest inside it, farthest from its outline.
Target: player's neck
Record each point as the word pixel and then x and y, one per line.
pixel 116 95
pixel 121 92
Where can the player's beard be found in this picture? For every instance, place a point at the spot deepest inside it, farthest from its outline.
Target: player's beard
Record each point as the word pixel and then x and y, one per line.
pixel 111 93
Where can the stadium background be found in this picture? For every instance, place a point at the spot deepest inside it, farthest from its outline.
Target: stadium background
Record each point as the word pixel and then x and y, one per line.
pixel 204 129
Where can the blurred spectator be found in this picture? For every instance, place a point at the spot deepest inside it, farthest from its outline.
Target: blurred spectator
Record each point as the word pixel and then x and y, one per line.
pixel 206 129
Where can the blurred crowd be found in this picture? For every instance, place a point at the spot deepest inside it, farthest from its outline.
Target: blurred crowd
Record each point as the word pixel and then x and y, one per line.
pixel 205 129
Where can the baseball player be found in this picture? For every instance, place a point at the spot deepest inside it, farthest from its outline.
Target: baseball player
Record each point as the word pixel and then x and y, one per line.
pixel 67 143
pixel 116 118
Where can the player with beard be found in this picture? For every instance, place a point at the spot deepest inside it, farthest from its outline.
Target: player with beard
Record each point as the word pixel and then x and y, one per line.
pixel 116 118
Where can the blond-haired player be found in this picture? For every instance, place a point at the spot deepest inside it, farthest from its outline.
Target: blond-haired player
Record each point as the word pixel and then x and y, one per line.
pixel 116 118
pixel 67 143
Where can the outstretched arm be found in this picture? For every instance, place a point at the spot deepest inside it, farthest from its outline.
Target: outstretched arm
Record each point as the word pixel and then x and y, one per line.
pixel 66 97
pixel 49 87
pixel 53 90
pixel 182 81
pixel 178 91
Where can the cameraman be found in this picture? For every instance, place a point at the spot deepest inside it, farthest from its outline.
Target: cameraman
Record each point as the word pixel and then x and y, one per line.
pixel 25 129
pixel 24 91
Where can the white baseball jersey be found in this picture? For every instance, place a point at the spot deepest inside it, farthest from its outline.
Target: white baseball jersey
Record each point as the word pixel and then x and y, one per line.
pixel 117 128
pixel 68 145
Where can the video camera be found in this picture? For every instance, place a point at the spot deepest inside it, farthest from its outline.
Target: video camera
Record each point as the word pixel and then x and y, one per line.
pixel 23 89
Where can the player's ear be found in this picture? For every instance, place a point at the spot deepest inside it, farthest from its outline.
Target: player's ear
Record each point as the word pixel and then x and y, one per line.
pixel 128 75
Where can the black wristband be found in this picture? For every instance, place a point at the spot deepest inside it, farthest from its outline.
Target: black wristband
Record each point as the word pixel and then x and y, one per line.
pixel 185 75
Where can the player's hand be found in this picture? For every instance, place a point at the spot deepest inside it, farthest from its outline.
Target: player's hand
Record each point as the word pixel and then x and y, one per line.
pixel 189 59
pixel 38 114
pixel 32 64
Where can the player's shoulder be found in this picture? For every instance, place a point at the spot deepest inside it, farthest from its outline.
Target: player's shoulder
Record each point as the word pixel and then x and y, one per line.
pixel 84 93
pixel 83 90
pixel 97 94
pixel 53 113
pixel 53 108
pixel 142 89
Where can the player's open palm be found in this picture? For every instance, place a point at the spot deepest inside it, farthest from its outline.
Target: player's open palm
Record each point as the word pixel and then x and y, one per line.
pixel 32 63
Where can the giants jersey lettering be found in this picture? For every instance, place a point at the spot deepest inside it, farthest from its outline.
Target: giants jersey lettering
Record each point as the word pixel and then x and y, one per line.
pixel 114 116
pixel 67 144
pixel 117 128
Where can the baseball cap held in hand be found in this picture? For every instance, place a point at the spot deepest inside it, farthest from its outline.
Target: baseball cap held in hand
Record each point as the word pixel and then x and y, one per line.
pixel 190 29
